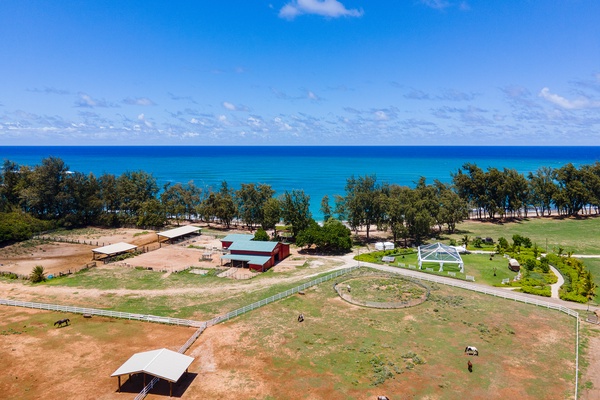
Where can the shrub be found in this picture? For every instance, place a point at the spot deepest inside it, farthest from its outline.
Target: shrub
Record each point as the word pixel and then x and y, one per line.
pixel 502 243
pixel 38 274
pixel 530 264
pixel 261 236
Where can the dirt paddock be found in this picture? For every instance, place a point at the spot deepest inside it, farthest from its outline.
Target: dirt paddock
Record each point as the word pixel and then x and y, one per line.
pixel 62 256
pixel 41 361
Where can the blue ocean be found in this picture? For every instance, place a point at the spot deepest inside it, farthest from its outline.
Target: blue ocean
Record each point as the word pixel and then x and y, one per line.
pixel 317 170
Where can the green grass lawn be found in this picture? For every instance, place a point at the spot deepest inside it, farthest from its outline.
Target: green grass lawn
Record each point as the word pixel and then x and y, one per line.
pixel 148 291
pixel 361 352
pixel 577 235
pixel 477 265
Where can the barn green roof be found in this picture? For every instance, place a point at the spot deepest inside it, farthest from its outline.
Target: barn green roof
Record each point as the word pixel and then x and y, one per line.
pixel 251 245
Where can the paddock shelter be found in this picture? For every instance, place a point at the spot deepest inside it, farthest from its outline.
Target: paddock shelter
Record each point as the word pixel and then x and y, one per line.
pixel 107 252
pixel 172 235
pixel 162 363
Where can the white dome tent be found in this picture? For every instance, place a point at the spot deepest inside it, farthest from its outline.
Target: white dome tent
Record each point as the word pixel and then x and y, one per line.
pixel 441 254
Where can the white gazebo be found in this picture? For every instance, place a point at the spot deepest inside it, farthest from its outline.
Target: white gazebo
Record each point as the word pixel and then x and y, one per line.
pixel 441 254
pixel 162 364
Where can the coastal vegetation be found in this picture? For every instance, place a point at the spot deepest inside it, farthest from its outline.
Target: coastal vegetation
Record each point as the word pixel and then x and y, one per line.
pixel 49 195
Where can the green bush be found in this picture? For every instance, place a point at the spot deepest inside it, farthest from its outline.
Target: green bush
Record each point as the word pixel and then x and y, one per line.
pixel 38 274
pixel 545 291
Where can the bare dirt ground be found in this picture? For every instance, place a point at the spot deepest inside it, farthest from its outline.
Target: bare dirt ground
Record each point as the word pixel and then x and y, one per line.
pixel 40 361
pixel 592 371
pixel 58 257
pixel 222 370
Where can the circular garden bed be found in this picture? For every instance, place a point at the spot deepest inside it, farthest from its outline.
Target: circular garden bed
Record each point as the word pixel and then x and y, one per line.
pixel 381 291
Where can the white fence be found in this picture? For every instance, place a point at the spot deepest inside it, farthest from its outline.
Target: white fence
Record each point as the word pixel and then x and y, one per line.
pixel 243 310
pixel 203 325
pixel 104 313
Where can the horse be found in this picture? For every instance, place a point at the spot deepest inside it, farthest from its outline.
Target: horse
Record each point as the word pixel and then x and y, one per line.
pixel 383 398
pixel 472 351
pixel 300 317
pixel 60 322
pixel 470 366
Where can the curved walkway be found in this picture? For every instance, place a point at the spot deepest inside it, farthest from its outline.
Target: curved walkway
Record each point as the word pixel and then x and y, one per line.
pixel 555 287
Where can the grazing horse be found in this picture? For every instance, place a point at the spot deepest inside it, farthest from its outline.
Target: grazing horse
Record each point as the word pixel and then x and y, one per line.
pixel 60 322
pixel 300 317
pixel 470 366
pixel 383 398
pixel 472 351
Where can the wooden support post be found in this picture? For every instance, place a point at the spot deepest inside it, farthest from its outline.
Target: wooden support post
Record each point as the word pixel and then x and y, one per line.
pixel 119 388
pixel 170 389
pixel 144 378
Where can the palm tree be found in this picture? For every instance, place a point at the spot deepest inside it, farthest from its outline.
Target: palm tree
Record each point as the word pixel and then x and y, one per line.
pixel 465 241
pixel 38 274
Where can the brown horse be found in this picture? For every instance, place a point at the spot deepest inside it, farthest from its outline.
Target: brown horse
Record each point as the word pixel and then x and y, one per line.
pixel 60 322
pixel 470 366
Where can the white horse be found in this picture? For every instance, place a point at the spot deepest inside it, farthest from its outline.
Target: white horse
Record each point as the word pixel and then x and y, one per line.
pixel 382 398
pixel 472 351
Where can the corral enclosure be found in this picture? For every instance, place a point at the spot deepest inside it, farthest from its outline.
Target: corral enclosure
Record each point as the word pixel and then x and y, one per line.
pixel 41 361
pixel 343 351
pixel 72 250
pixel 340 351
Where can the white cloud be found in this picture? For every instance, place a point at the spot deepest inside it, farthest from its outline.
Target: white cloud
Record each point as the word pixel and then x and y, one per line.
pixel 85 100
pixel 437 4
pixel 577 104
pixel 142 118
pixel 443 4
pixel 312 96
pixel 232 107
pixel 380 115
pixel 228 106
pixel 139 101
pixel 325 8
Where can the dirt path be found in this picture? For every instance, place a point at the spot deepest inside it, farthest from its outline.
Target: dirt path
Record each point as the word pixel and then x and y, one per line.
pixel 556 286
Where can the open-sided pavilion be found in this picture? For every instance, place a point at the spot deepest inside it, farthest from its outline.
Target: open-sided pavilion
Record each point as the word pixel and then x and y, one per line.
pixel 441 254
pixel 162 363
pixel 177 233
pixel 106 252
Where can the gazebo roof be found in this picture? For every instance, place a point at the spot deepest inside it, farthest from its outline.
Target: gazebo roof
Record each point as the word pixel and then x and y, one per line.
pixel 439 252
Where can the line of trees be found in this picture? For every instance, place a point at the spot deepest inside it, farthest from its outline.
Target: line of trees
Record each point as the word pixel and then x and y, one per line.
pixel 498 193
pixel 49 194
pixel 414 213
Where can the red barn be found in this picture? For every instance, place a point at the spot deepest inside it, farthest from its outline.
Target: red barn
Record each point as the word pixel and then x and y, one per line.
pixel 257 256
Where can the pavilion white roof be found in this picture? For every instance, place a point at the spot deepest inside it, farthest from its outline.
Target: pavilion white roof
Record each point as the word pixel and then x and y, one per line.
pixel 116 248
pixel 162 363
pixel 439 252
pixel 181 231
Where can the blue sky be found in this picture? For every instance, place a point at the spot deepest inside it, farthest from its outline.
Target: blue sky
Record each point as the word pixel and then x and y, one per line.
pixel 305 72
